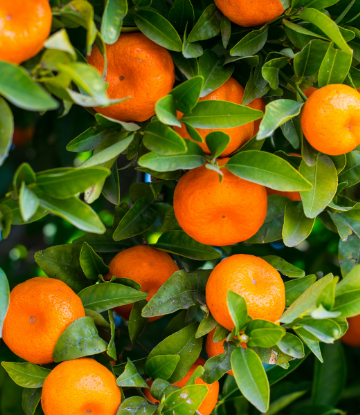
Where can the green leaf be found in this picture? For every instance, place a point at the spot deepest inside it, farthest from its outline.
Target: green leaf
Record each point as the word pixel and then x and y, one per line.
pixel 186 95
pixel 62 262
pixel 297 226
pixel 335 67
pixel 212 69
pixel 28 202
pixel 348 303
pixel 24 173
pixel 78 340
pixel 351 172
pixel 180 14
pixel 191 50
pixel 328 26
pixel 308 339
pixel 179 243
pixel 26 375
pixel 251 378
pixel 136 221
pixel 161 366
pixel 206 326
pixel 306 301
pixel 98 318
pixel 220 114
pixel 89 139
pixel 217 366
pixel 60 41
pixel 91 263
pixel 131 377
pixel 30 400
pixel 162 163
pixel 180 291
pixel 325 330
pixel 308 61
pixel 277 113
pixel 6 219
pixel 114 13
pixel 292 346
pixel 135 406
pixel 185 400
pixel 293 289
pixel 111 188
pixel 330 376
pixel 207 26
pixel 165 111
pixel 6 129
pixel 62 185
pixel 217 141
pixel 284 267
pixel 299 35
pixel 4 298
pixel 73 210
pixel 351 282
pixel 326 297
pixel 164 140
pixel 251 43
pixel 188 67
pixel 158 29
pixel 104 242
pixel 137 322
pixel 184 344
pixel 265 337
pixel 101 297
pixel 17 87
pixel 110 347
pixel 107 122
pixel 323 177
pixel 270 70
pixel 268 170
pixel 237 309
pixel 271 230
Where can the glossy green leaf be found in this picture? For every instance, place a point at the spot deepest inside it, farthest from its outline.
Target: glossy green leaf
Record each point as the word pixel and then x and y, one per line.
pixel 78 340
pixel 334 67
pixel 135 406
pixel 217 141
pixel 292 346
pixel 28 202
pixel 161 366
pixel 206 326
pixel 191 50
pixel 30 400
pixel 308 61
pixel 268 170
pixel 107 122
pixel 26 375
pixel 130 377
pixel 62 262
pixel 6 219
pixel 217 366
pixel 4 298
pixel 325 330
pixel 297 226
pixel 91 263
pixel 351 172
pixel 188 67
pixel 184 344
pixel 6 129
pixel 60 41
pixel 186 95
pixel 293 289
pixel 101 297
pixel 312 344
pixel 158 29
pixel 220 114
pixel 165 111
pixel 350 282
pixel 162 139
pixel 237 309
pixel 104 242
pixel 212 69
pixel 284 267
pixel 299 35
pixel 277 113
pixel 225 28
pixel 180 14
pixel 17 86
pixel 179 243
pixel 185 401
pixel 114 13
pixel 348 304
pixel 111 187
pixel 251 378
pixel 137 322
pixel 89 139
pixel 250 43
pixel 207 26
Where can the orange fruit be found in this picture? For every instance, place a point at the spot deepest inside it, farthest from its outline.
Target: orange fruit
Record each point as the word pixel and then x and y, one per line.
pixel 257 104
pixel 80 387
pixel 23 136
pixel 331 119
pixel 215 213
pixel 230 91
pixel 145 265
pixel 352 336
pixel 248 13
pixel 139 68
pixel 214 349
pixel 295 196
pixel 309 91
pixel 255 280
pixel 210 401
pixel 40 310
pixel 24 27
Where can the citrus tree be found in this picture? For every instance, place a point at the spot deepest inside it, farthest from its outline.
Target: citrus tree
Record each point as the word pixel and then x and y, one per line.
pixel 233 127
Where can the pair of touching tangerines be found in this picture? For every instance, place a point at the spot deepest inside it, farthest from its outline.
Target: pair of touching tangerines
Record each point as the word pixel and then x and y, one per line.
pixel 45 307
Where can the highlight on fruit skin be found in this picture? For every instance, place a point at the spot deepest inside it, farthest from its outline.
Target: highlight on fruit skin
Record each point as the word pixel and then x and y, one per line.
pixel 40 310
pixel 25 26
pixel 249 13
pixel 330 119
pixel 80 387
pixel 255 280
pixel 215 213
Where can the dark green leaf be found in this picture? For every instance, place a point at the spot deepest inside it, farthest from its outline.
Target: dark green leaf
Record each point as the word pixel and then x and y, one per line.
pixel 6 129
pixel 185 400
pixel 186 94
pixel 225 27
pixel 188 67
pixel 250 43
pixel 4 298
pixel 217 141
pixel 111 188
pixel 136 405
pixel 293 289
pixel 130 377
pixel 207 26
pixel 308 61
pixel 162 139
pixel 237 309
pixel 284 267
pixel 103 243
pixel 351 172
pixel 28 203
pixel 191 50
pixel 217 366
pixel 206 326
pixel 181 13
pixel 26 375
pixel 91 263
pixel 165 111
pixel 335 67
pixel 30 400
pixel 297 226
pixel 292 346
pixel 308 339
pixel 137 322
pixel 89 139
pixel 161 366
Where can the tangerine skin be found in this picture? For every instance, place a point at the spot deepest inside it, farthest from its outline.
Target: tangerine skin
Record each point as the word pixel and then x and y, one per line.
pixel 78 386
pixel 255 280
pixel 331 119
pixel 352 336
pixel 230 91
pixel 215 213
pixel 214 349
pixel 210 401
pixel 24 27
pixel 52 304
pixel 148 266
pixel 248 13
pixel 139 68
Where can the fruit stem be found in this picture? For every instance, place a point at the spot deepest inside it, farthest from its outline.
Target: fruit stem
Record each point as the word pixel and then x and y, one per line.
pixel 303 96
